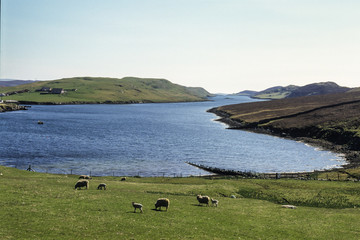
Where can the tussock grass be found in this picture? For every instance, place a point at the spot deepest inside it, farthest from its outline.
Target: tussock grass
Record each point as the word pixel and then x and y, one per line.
pixel 46 206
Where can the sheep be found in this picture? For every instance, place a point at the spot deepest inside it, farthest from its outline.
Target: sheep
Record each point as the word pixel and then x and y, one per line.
pixel 203 199
pixel 137 205
pixel 101 186
pixel 162 202
pixel 82 183
pixel 84 177
pixel 289 206
pixel 123 179
pixel 214 202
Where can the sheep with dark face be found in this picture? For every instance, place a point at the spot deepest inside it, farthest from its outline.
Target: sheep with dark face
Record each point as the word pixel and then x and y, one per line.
pixel 214 202
pixel 84 177
pixel 82 183
pixel 123 179
pixel 162 202
pixel 101 186
pixel 137 205
pixel 203 199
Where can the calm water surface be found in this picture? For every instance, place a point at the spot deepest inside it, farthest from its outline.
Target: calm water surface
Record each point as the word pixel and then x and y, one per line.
pixel 145 140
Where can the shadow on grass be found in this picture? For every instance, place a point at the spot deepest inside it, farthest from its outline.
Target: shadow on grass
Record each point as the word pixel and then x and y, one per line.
pixel 134 212
pixel 158 210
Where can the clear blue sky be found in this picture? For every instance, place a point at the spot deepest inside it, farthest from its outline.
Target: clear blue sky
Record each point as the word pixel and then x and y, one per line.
pixel 221 45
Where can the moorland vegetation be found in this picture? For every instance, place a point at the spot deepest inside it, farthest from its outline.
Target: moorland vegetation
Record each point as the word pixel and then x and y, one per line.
pixel 330 120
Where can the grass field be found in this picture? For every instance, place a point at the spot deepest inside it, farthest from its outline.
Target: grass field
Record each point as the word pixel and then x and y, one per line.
pixel 107 90
pixel 46 206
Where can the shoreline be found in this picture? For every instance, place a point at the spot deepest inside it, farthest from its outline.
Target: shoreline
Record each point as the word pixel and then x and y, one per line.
pixel 6 107
pixel 107 102
pixel 351 157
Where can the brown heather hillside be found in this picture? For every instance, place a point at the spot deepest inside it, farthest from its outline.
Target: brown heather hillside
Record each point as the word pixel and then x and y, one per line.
pixel 332 120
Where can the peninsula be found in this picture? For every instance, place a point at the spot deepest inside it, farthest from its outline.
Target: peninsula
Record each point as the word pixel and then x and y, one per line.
pixel 6 107
pixel 330 121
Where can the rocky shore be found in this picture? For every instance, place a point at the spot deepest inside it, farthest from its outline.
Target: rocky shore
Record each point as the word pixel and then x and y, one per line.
pixel 6 107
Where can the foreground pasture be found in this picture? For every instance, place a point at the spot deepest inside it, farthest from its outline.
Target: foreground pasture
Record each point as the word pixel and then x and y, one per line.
pixel 46 206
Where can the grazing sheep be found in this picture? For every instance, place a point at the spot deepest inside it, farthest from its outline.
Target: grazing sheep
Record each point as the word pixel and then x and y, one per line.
pixel 203 199
pixel 82 183
pixel 123 179
pixel 214 202
pixel 84 177
pixel 137 205
pixel 101 186
pixel 233 196
pixel 289 206
pixel 162 202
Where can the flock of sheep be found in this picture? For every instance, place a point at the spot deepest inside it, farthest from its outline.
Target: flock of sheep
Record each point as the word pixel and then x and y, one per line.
pixel 161 202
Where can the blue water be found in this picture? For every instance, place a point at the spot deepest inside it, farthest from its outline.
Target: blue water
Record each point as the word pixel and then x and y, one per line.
pixel 145 140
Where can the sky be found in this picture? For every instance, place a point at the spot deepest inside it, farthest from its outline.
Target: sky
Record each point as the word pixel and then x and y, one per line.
pixel 225 46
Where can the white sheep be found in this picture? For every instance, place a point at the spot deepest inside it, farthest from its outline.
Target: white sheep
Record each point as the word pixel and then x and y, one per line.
pixel 123 179
pixel 289 206
pixel 214 202
pixel 102 186
pixel 162 202
pixel 137 205
pixel 203 199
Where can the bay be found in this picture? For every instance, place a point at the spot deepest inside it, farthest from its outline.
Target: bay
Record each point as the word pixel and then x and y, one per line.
pixel 146 140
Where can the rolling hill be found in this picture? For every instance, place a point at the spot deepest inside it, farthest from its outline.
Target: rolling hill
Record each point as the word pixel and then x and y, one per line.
pixel 279 92
pixel 83 90
pixel 13 82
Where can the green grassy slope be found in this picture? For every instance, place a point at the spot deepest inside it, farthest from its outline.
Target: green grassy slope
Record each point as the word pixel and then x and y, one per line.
pixel 46 206
pixel 107 90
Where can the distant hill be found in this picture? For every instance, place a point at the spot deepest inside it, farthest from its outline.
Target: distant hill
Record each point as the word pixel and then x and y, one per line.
pixel 80 90
pixel 317 89
pixel 277 92
pixel 246 93
pixel 13 82
pixel 291 91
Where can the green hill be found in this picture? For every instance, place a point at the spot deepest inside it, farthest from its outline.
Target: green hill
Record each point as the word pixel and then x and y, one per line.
pixel 277 92
pixel 80 90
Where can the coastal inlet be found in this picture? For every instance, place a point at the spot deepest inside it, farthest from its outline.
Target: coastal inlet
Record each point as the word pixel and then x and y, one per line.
pixel 146 140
